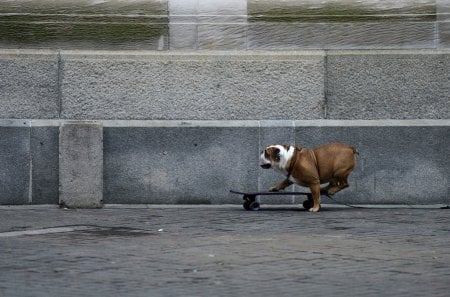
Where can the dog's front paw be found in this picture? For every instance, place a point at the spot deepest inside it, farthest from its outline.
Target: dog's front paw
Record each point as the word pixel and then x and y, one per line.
pixel 274 189
pixel 314 209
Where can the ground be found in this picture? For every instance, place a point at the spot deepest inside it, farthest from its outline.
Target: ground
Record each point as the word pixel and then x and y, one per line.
pixel 224 251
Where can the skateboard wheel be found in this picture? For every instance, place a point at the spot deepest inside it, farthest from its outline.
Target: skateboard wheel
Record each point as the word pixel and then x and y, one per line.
pixel 247 205
pixel 307 204
pixel 254 205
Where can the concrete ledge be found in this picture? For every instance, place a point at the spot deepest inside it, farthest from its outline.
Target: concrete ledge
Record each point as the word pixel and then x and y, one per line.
pixel 236 123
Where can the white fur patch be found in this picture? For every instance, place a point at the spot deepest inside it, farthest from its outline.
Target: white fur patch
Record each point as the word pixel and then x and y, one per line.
pixel 285 156
pixel 263 160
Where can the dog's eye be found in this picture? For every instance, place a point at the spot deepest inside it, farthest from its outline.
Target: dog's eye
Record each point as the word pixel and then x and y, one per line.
pixel 266 154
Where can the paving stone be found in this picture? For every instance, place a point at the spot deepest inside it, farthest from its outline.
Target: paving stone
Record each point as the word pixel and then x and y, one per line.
pixel 224 251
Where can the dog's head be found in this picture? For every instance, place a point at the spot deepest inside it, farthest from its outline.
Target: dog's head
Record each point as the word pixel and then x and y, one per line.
pixel 274 155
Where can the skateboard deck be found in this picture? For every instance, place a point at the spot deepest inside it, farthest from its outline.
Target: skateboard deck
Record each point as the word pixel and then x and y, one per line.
pixel 250 202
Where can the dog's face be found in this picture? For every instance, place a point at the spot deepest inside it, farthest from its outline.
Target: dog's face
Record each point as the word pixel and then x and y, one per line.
pixel 274 155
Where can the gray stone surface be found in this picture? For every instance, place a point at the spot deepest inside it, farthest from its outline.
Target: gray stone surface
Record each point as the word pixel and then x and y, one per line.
pixel 224 251
pixel 389 85
pixel 224 25
pixel 443 10
pixel 330 35
pixel 208 24
pixel 353 10
pixel 204 86
pixel 188 163
pixel 182 165
pixel 226 85
pixel 192 162
pixel 139 24
pixel 444 34
pixel 443 21
pixel 222 36
pixel 28 84
pixel 15 163
pixel 81 164
pixel 45 163
pixel 396 164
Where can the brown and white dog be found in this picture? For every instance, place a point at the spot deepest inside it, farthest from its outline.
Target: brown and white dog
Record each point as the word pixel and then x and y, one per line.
pixel 311 167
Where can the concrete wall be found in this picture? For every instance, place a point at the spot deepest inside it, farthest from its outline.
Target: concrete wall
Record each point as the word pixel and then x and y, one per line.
pixel 185 94
pixel 400 161
pixel 250 85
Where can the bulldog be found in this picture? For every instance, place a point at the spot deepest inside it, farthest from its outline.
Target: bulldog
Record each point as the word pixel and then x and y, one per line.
pixel 311 167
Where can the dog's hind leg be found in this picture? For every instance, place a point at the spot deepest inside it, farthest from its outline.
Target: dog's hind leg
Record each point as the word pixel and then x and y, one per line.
pixel 340 184
pixel 332 184
pixel 315 190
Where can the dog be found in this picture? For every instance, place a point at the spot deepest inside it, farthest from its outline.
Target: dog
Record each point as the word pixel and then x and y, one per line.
pixel 310 167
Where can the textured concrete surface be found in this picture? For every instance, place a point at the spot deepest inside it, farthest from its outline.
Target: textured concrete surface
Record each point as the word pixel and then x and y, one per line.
pixel 29 84
pixel 208 25
pixel 14 163
pixel 443 18
pixel 399 163
pixel 395 164
pixel 138 24
pixel 44 144
pixel 224 251
pixel 330 35
pixel 204 86
pixel 184 162
pixel 184 165
pixel 211 85
pixel 81 164
pixel 390 85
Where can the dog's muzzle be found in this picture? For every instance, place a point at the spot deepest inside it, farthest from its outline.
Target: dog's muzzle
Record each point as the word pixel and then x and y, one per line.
pixel 266 166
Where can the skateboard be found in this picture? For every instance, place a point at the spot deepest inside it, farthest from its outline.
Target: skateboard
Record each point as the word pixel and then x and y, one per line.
pixel 250 202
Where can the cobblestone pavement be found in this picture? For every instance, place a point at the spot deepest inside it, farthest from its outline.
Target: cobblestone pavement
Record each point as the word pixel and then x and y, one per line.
pixel 224 251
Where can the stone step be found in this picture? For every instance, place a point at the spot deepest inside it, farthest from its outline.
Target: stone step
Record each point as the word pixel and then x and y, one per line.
pixel 225 25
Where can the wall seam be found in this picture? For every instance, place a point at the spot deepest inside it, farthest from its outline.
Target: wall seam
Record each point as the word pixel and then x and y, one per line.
pixel 59 82
pixel 30 156
pixel 325 85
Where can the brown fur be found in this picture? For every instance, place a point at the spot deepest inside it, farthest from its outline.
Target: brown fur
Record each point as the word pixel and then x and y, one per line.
pixel 328 163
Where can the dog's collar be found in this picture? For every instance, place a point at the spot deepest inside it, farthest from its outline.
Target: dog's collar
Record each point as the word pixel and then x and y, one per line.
pixel 292 165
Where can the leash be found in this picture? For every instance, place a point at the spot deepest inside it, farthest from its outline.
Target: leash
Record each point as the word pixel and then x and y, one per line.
pixel 363 207
pixel 345 204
